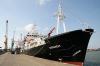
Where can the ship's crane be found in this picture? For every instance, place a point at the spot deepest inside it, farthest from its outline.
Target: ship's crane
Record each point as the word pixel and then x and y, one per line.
pixel 51 31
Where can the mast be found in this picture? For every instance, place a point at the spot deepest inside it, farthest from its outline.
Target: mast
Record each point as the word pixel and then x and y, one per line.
pixel 60 18
pixel 6 36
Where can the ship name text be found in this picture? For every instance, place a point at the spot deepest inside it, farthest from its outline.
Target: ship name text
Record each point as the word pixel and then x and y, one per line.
pixel 53 47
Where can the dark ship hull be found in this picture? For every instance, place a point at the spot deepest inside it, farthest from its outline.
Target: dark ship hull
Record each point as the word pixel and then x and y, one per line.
pixel 70 46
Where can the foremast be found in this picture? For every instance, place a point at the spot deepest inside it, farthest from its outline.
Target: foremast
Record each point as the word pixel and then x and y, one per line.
pixel 60 18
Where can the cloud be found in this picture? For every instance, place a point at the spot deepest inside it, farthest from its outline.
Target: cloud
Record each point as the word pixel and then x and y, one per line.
pixel 30 27
pixel 42 2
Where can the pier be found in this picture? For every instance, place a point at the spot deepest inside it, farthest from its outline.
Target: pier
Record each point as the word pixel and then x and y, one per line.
pixel 9 59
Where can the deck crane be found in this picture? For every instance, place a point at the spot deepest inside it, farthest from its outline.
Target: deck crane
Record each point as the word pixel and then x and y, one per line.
pixel 51 31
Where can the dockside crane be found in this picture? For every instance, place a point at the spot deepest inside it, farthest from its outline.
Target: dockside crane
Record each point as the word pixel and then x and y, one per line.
pixel 6 37
pixel 12 44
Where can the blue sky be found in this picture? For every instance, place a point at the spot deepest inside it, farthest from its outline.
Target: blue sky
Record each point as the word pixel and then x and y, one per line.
pixel 20 13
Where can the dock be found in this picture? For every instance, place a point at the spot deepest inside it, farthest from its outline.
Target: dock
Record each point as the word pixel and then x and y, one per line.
pixel 9 59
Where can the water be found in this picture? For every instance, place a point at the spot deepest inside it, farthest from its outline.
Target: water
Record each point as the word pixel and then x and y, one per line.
pixel 92 58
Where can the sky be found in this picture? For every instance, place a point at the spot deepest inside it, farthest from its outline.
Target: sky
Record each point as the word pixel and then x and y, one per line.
pixel 25 13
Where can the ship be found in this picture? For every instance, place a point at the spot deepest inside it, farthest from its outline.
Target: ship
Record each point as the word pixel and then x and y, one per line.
pixel 66 47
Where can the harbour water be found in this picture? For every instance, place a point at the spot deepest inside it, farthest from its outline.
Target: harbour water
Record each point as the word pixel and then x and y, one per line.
pixel 92 58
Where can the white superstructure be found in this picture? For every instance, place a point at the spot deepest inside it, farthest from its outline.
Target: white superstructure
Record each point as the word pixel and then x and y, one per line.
pixel 34 39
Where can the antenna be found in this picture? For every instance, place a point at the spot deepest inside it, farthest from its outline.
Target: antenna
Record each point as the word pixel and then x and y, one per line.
pixel 60 17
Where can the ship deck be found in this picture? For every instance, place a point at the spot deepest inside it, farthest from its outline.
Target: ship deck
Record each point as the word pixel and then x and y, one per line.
pixel 9 59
